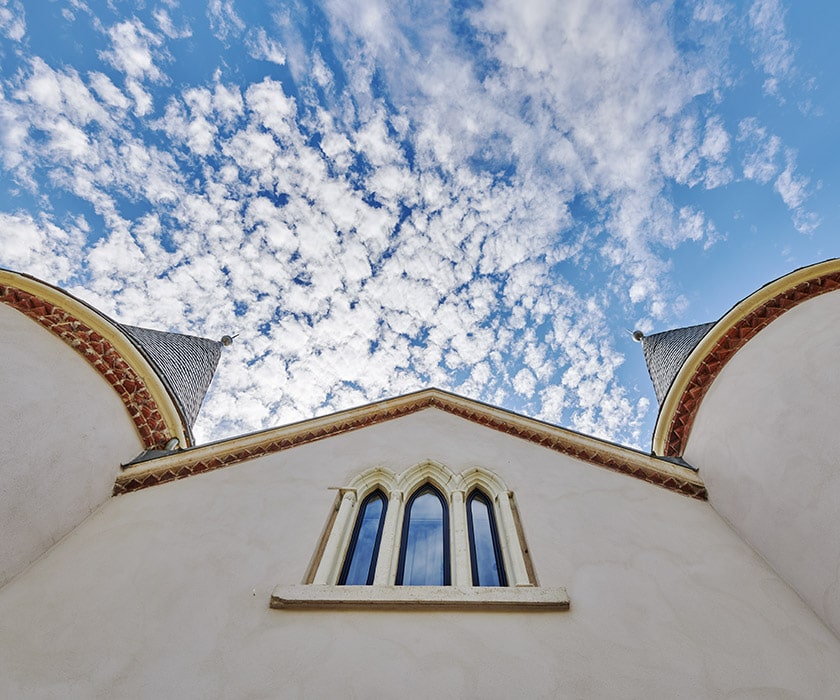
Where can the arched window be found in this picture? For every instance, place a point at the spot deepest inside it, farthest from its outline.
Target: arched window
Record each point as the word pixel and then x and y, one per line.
pixel 485 551
pixel 418 516
pixel 424 547
pixel 360 562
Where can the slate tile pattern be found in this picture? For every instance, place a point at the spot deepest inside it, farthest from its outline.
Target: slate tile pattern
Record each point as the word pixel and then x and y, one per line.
pixel 666 352
pixel 186 364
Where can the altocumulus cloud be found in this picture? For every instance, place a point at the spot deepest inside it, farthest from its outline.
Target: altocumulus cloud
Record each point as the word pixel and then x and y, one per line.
pixel 384 197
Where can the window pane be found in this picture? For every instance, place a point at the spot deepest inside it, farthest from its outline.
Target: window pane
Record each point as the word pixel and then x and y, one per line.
pixel 487 569
pixel 424 554
pixel 360 564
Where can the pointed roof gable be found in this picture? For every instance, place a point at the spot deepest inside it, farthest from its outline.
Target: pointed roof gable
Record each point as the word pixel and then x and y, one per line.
pixel 669 474
pixel 186 364
pixel 666 352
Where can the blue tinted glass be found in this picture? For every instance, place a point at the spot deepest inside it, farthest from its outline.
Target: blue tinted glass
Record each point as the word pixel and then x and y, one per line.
pixel 424 560
pixel 486 564
pixel 361 558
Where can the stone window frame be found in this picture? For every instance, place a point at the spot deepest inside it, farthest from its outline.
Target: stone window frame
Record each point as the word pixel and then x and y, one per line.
pixel 455 489
pixel 321 590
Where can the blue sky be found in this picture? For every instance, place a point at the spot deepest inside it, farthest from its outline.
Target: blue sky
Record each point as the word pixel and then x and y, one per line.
pixel 380 197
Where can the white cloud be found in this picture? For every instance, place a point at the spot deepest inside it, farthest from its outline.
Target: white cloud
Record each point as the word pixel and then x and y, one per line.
pixel 167 26
pixel 766 160
pixel 410 216
pixel 793 189
pixel 223 19
pixel 710 11
pixel 760 161
pixel 524 383
pixel 134 49
pixel 774 52
pixel 261 47
pixel 12 19
pixel 107 91
pixel 40 247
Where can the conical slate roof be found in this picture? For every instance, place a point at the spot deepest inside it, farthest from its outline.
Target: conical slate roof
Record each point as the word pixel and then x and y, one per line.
pixel 186 364
pixel 666 352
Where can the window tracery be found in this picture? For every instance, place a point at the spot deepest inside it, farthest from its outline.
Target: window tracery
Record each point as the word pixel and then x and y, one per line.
pixel 426 526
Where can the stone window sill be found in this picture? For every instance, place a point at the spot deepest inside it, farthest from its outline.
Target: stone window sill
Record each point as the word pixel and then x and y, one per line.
pixel 323 597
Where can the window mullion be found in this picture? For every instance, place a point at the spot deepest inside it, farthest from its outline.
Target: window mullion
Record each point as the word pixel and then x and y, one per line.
pixel 393 562
pixel 385 571
pixel 460 544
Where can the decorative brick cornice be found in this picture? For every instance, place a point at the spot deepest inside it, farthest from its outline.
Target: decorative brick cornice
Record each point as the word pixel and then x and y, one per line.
pixel 101 355
pixel 733 339
pixel 218 455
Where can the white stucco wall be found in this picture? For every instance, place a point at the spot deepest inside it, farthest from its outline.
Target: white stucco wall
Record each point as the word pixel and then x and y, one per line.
pixel 164 592
pixel 63 433
pixel 767 442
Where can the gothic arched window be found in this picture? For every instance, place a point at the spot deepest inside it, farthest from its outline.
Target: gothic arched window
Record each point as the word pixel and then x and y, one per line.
pixel 485 550
pixel 424 546
pixel 424 527
pixel 426 538
pixel 360 562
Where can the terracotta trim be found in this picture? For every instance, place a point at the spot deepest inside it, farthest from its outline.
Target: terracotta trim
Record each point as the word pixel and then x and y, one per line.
pixel 727 342
pixel 210 457
pixel 101 355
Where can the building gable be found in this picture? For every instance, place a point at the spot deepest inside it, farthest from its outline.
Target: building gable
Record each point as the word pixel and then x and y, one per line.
pixel 235 450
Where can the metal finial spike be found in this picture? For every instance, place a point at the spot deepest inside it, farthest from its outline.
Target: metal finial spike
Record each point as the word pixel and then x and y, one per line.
pixel 637 336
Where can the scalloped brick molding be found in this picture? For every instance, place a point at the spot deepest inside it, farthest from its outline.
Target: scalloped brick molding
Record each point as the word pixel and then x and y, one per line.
pixel 734 339
pixel 101 355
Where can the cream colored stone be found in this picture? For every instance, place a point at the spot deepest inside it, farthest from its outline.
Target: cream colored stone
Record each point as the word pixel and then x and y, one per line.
pixel 454 488
pixel 419 597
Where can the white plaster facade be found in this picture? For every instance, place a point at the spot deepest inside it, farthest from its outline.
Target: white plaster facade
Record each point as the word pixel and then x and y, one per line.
pixel 167 591
pixel 767 441
pixel 64 434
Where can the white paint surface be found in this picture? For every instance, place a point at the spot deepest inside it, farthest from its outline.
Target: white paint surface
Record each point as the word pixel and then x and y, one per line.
pixel 767 441
pixel 165 592
pixel 63 433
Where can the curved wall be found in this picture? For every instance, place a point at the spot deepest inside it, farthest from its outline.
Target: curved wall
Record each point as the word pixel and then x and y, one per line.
pixel 63 433
pixel 766 439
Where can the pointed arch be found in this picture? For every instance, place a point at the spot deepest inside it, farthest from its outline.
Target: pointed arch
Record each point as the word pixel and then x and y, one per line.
pixel 371 479
pixel 424 544
pixel 455 538
pixel 362 553
pixel 427 471
pixel 486 562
